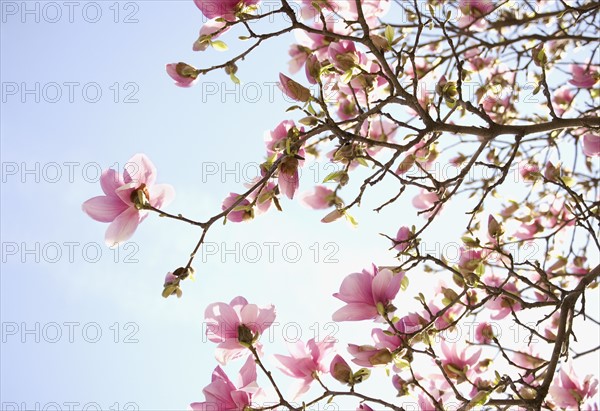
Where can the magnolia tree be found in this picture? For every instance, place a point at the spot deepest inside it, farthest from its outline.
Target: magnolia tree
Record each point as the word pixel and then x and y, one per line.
pixel 444 100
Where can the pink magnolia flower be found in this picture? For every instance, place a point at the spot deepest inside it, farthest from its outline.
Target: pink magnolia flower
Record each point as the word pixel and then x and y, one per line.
pixel 363 407
pixel 569 391
pixel 527 231
pixel 209 32
pixel 380 130
pixel 583 77
pixel 275 139
pixel 288 179
pixel 222 8
pixel 469 259
pixel 475 61
pixel 343 55
pixel 484 333
pixel 241 212
pixel 473 12
pixel 591 145
pixel 426 201
pixel 528 171
pixel 320 199
pixel 563 97
pixel 457 361
pixel 340 370
pixel 183 74
pixel 123 199
pixel 367 295
pixel 369 356
pixel 235 326
pixel 404 233
pixel 328 7
pixel 293 89
pixel 503 305
pixel 305 361
pixel 299 54
pixel 372 10
pixel 265 198
pixel 222 395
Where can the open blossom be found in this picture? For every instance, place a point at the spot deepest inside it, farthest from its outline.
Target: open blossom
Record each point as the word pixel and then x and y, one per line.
pixel 305 362
pixel 528 171
pixel 241 212
pixel 235 326
pixel 527 231
pixel 569 391
pixel 591 145
pixel 426 200
pixel 583 77
pixel 209 32
pixel 123 199
pixel 367 294
pixel 469 259
pixel 343 55
pixel 299 54
pixel 457 362
pixel 484 333
pixel 222 8
pixel 222 395
pixel 562 100
pixel 275 139
pixel 369 356
pixel 502 305
pixel 320 199
pixel 380 130
pixel 183 74
pixel 404 233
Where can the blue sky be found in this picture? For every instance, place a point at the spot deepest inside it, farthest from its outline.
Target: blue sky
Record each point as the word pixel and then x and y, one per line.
pixel 151 351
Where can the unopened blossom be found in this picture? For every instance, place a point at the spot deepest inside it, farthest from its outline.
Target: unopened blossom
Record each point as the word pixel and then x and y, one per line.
pixel 122 204
pixel 183 74
pixel 569 391
pixel 363 407
pixel 222 395
pixel 236 326
pixel 583 77
pixel 369 356
pixel 400 243
pixel 340 370
pixel 367 294
pixel 305 362
pixel 293 89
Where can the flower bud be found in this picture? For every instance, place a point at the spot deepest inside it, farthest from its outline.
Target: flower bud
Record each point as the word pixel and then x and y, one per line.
pixel 340 370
